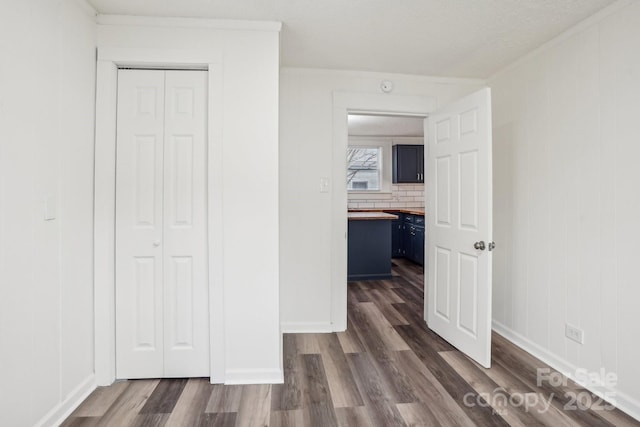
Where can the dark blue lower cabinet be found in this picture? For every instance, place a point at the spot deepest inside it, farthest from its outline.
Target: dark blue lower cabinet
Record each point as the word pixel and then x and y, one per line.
pixel 418 245
pixel 408 236
pixel 397 231
pixel 369 250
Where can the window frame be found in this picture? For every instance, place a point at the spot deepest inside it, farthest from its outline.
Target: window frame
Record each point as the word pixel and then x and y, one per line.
pixel 379 169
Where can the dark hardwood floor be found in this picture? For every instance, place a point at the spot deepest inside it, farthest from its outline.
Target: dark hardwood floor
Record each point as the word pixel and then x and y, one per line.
pixel 387 369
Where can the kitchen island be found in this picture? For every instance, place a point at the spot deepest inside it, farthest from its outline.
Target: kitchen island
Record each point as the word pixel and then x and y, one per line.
pixel 369 252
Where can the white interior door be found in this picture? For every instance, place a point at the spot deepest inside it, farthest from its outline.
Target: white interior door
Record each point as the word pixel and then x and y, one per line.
pixel 459 235
pixel 162 317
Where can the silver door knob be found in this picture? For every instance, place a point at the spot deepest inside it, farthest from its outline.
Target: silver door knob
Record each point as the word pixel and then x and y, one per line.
pixel 156 243
pixel 479 245
pixel 492 246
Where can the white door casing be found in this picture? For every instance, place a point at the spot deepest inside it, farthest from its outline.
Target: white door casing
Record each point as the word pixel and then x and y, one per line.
pixel 162 316
pixel 458 301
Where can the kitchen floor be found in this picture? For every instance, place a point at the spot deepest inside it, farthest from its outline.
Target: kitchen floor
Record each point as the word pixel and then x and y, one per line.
pixel 387 369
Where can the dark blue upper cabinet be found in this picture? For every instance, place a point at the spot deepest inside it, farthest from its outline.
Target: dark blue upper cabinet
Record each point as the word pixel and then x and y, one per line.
pixel 408 164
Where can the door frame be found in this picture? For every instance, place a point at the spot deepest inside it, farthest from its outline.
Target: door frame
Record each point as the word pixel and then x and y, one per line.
pixel 343 104
pixel 108 62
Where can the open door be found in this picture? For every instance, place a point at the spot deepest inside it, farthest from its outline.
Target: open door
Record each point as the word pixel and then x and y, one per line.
pixel 459 234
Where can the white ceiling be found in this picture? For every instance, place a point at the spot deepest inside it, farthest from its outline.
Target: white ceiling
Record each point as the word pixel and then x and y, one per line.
pixel 454 38
pixel 379 125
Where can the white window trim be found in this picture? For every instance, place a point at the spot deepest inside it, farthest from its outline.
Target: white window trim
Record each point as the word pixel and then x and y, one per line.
pixel 381 171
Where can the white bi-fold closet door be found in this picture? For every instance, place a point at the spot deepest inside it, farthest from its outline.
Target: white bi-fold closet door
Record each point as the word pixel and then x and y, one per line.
pixel 162 315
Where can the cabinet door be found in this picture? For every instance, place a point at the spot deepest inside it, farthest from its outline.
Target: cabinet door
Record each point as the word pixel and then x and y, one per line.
pixel 396 237
pixel 406 163
pixel 418 245
pixel 408 238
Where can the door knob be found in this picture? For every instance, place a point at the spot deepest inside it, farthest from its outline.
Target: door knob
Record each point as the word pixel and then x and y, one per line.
pixel 156 243
pixel 492 246
pixel 479 245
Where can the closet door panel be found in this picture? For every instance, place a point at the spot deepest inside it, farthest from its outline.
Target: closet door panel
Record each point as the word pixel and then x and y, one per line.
pixel 139 224
pixel 185 228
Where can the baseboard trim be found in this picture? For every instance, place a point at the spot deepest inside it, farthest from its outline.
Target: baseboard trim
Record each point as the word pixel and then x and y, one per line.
pixel 306 327
pixel 254 376
pixel 60 412
pixel 622 401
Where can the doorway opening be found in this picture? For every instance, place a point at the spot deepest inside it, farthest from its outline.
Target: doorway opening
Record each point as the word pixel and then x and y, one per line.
pixel 458 298
pixel 343 105
pixel 385 182
pixel 386 196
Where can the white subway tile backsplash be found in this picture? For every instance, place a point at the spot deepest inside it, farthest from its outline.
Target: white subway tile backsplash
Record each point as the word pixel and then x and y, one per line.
pixel 402 196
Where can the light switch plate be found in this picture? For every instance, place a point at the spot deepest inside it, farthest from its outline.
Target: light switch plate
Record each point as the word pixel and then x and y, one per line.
pixel 324 185
pixel 50 208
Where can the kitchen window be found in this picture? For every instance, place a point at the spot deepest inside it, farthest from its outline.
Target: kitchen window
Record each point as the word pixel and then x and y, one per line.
pixel 364 168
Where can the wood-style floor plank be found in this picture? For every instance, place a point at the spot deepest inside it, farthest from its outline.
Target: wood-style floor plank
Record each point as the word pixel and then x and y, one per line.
pixel 344 392
pixel 546 414
pixel 524 366
pixel 417 414
pixel 353 417
pixel 80 421
pixel 127 406
pixel 164 396
pixel 224 398
pixel 387 369
pixel 455 385
pixel 379 401
pixel 293 418
pixel 222 419
pixel 100 400
pixel 384 299
pixel 192 403
pixel 349 340
pixel 429 390
pixel 515 415
pixel 382 328
pixel 150 420
pixel 318 395
pixel 289 396
pixel 255 406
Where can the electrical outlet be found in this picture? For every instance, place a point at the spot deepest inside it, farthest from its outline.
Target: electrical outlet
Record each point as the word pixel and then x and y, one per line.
pixel 574 333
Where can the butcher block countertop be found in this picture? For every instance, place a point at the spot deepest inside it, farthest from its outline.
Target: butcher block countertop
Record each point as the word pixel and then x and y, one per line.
pixel 413 211
pixel 369 215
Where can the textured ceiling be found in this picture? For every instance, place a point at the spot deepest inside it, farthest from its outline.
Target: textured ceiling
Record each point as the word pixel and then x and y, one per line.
pixel 454 38
pixel 380 125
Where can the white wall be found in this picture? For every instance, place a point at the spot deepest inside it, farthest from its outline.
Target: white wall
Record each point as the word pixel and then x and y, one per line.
pixel 306 135
pixel 47 70
pixel 567 200
pixel 246 226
